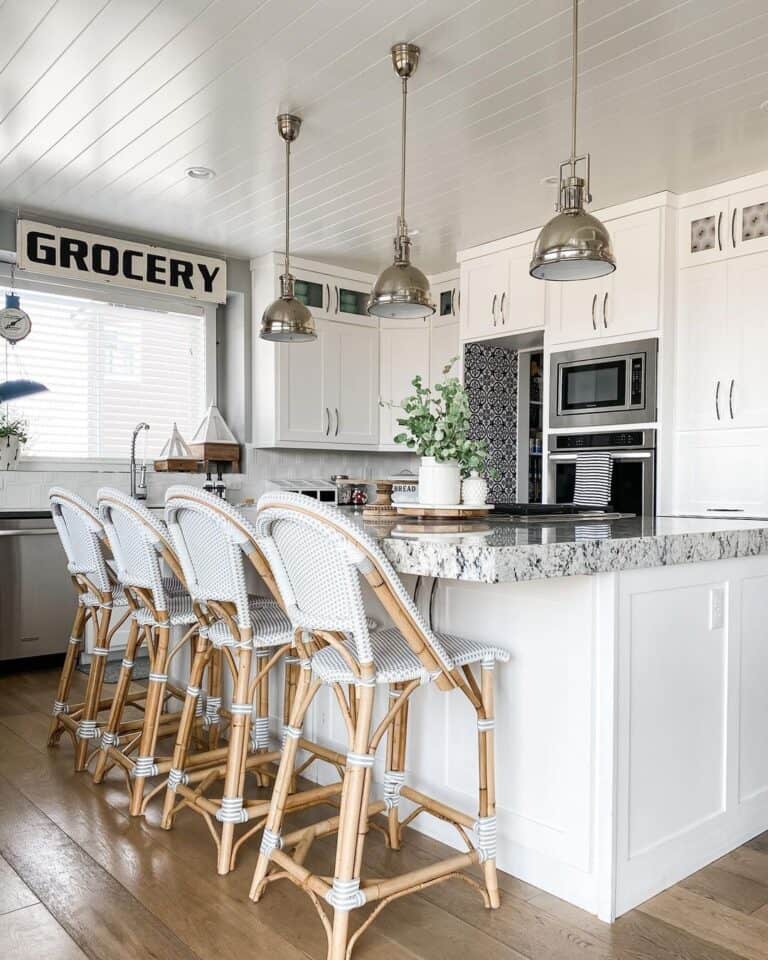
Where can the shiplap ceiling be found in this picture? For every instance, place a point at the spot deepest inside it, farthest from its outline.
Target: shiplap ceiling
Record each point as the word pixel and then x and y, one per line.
pixel 105 103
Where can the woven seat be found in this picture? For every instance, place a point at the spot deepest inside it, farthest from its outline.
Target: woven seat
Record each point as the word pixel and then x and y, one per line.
pixel 89 599
pixel 394 661
pixel 180 611
pixel 271 627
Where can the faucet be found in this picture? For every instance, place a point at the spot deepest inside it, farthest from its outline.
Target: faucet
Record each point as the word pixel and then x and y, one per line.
pixel 138 483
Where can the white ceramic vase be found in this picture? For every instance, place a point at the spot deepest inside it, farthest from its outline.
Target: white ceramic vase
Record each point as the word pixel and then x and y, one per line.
pixel 9 452
pixel 474 490
pixel 439 483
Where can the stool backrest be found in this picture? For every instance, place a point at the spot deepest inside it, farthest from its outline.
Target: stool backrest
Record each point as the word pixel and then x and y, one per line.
pixel 318 555
pixel 82 536
pixel 212 539
pixel 139 542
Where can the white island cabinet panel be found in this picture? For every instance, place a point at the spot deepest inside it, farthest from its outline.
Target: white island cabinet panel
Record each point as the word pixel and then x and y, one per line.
pixel 753 677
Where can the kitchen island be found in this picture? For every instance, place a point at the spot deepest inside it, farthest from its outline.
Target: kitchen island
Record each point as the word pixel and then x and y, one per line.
pixel 631 720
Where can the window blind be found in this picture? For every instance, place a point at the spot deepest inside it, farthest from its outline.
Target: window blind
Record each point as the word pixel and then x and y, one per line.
pixel 106 367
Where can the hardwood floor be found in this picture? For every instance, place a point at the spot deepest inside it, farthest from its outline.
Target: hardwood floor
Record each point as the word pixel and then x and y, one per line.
pixel 79 878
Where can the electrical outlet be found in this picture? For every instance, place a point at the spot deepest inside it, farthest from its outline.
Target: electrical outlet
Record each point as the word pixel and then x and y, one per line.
pixel 716 608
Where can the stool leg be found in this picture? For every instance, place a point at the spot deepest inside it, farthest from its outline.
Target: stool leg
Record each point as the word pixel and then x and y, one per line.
pixel 234 776
pixel 352 827
pixel 487 778
pixel 152 710
pixel 262 713
pixel 214 691
pixel 95 683
pixel 67 672
pixel 118 702
pixel 200 658
pixel 304 695
pixel 290 681
pixel 394 775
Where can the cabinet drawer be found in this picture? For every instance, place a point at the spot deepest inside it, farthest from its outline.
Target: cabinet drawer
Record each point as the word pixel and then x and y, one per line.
pixel 723 473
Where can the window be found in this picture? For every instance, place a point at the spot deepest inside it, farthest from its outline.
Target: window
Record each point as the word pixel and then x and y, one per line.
pixel 106 367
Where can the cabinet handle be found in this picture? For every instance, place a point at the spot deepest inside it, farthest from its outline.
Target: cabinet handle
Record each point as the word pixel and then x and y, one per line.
pixel 717 399
pixel 337 299
pixel 733 228
pixel 327 421
pixel 605 304
pixel 730 398
pixel 493 309
pixel 336 433
pixel 725 509
pixel 719 236
pixel 328 292
pixel 453 302
pixel 594 304
pixel 501 308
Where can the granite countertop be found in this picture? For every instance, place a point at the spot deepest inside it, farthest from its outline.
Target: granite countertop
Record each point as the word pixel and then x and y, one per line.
pixel 507 550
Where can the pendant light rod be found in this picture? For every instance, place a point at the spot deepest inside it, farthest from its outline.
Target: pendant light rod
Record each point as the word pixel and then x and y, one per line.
pixel 287 204
pixel 574 81
pixel 403 133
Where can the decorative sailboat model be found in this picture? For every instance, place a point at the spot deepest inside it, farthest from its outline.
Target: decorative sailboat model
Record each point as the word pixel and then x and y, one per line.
pixel 176 457
pixel 214 442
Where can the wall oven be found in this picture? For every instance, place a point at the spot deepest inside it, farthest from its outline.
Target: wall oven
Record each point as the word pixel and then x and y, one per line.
pixel 603 385
pixel 633 487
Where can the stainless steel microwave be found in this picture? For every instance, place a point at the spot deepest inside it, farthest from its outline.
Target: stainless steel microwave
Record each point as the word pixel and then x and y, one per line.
pixel 604 385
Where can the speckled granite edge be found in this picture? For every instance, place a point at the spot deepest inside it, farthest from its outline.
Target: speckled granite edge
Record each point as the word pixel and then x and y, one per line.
pixel 509 564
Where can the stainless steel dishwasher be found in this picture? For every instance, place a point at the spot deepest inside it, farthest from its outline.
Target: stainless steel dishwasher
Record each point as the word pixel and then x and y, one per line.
pixel 37 601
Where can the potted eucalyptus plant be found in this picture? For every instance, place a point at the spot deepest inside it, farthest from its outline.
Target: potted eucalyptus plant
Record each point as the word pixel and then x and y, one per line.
pixel 436 424
pixel 13 434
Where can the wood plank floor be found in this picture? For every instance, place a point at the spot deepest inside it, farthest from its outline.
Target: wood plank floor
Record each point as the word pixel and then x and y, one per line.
pixel 79 878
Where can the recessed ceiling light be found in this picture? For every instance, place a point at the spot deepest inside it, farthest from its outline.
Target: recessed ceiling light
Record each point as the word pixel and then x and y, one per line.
pixel 200 173
pixel 764 105
pixel 549 181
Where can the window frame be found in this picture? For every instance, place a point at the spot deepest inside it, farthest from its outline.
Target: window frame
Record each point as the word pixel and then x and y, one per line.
pixel 124 297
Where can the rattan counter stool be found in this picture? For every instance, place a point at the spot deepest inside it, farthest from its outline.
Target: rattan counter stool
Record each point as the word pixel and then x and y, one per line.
pixel 141 545
pixel 216 545
pixel 318 556
pixel 98 594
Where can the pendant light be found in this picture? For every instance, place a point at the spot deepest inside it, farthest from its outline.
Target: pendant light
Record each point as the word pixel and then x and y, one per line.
pixel 574 245
pixel 287 319
pixel 402 290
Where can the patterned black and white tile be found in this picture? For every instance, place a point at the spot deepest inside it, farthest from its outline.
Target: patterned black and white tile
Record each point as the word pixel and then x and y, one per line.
pixel 490 376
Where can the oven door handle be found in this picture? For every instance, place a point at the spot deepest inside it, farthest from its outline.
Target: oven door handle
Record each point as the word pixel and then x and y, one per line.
pixel 623 455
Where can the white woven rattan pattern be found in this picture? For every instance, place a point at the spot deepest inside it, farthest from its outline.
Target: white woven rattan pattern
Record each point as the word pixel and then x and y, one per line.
pixel 395 661
pixel 81 534
pixel 210 536
pixel 179 608
pixel 271 627
pixel 316 554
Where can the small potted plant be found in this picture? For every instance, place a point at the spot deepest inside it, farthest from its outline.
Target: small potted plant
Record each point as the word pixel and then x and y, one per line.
pixel 436 422
pixel 13 433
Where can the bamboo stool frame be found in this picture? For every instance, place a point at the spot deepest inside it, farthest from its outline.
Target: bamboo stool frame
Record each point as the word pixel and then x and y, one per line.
pixel 157 722
pixel 347 890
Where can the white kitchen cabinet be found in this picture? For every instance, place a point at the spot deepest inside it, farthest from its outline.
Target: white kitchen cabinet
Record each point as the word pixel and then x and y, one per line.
pixel 625 303
pixel 722 473
pixel 444 348
pixel 726 227
pixel 483 296
pixel 721 345
pixel 305 399
pixel 499 296
pixel 445 295
pixel 404 353
pixel 351 362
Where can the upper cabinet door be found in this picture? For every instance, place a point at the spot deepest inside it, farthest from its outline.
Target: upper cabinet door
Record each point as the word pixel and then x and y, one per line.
pixel 745 396
pixel 703 233
pixel 404 354
pixel 349 301
pixel 748 222
pixel 703 357
pixel 444 349
pixel 304 412
pixel 630 301
pixel 524 306
pixel 483 296
pixel 353 366
pixel 315 291
pixel 573 310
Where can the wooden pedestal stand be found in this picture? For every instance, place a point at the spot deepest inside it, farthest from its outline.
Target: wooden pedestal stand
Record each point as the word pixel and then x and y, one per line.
pixel 382 507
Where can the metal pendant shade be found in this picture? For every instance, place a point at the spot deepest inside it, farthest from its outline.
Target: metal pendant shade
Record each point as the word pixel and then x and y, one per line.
pixel 287 320
pixel 401 291
pixel 573 245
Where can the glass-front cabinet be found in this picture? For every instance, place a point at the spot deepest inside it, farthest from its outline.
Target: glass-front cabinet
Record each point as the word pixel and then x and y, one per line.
pixel 315 291
pixel 724 227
